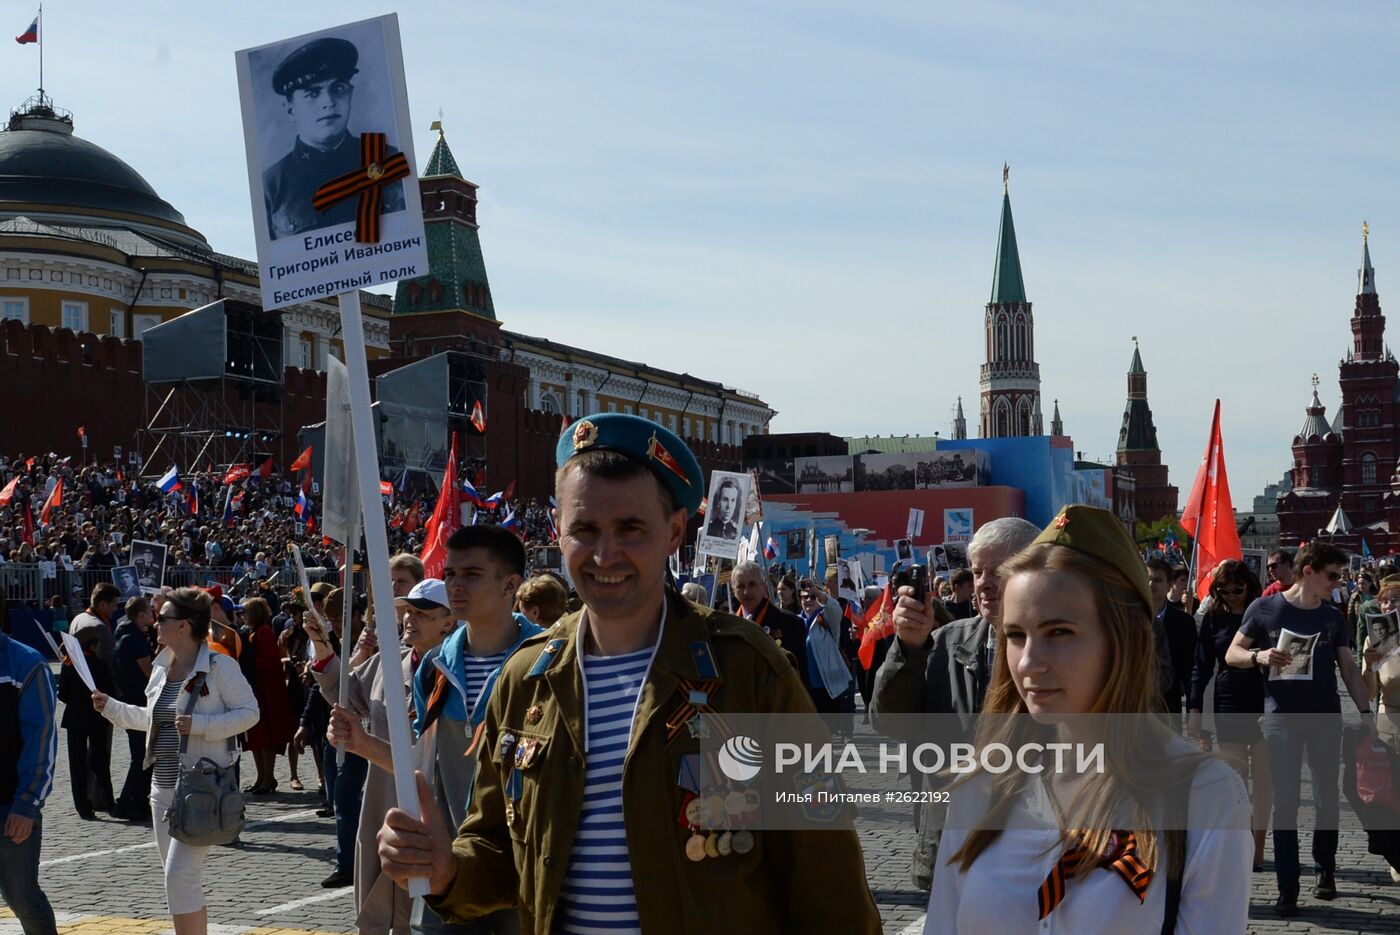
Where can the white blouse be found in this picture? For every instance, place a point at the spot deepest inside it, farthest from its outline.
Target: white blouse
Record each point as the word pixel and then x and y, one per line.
pixel 998 894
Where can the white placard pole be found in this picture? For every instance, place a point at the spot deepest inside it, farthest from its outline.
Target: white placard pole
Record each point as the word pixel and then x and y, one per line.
pixel 347 624
pixel 352 332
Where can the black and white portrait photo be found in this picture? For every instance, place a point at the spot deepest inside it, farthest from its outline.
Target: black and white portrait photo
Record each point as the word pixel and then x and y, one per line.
pixel 148 558
pixel 903 551
pixel 724 515
pixel 1300 647
pixel 317 132
pixel 316 109
pixel 796 544
pixel 126 578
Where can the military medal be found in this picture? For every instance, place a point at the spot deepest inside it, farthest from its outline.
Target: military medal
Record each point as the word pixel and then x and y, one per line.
pixel 696 812
pixel 533 714
pixel 735 803
pixel 743 842
pixel 712 845
pixel 725 844
pixel 695 847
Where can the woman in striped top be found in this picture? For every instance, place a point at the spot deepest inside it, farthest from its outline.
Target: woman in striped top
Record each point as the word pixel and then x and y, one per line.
pixel 224 708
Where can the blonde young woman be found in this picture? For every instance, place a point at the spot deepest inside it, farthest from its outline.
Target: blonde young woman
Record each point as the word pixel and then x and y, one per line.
pixel 1076 639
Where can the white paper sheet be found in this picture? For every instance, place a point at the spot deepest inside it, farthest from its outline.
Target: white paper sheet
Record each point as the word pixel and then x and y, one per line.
pixel 80 666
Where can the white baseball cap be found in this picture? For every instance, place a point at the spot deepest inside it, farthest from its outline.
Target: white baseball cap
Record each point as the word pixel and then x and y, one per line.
pixel 429 594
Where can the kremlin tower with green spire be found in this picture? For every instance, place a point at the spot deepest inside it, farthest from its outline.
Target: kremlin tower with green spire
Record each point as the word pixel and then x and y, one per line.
pixel 1010 379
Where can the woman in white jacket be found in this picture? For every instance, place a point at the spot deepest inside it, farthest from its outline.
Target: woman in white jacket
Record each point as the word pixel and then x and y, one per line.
pixel 225 708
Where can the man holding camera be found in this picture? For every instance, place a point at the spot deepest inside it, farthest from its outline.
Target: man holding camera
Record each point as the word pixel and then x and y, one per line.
pixel 933 669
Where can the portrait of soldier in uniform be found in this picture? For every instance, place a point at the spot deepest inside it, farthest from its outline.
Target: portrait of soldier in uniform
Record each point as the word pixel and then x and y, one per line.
pixel 724 511
pixel 148 558
pixel 315 84
pixel 125 578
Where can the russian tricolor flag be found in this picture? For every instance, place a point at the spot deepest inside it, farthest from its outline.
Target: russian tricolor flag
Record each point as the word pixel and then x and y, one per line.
pixel 549 517
pixel 29 35
pixel 770 549
pixel 493 501
pixel 470 494
pixel 170 480
pixel 303 508
pixel 511 523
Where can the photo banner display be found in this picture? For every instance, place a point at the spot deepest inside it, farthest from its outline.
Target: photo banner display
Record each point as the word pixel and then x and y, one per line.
pixel 331 171
pixel 963 467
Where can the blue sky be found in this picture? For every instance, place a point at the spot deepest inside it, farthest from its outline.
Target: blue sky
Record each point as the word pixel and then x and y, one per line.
pixel 813 188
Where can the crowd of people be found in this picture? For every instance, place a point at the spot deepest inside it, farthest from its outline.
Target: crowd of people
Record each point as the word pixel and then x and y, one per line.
pixel 549 712
pixel 229 529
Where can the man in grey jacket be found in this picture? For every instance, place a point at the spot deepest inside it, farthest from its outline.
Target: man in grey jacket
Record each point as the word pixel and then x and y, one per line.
pixel 944 670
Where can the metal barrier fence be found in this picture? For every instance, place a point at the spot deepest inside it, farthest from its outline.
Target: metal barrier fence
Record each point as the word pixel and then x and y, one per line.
pixel 28 584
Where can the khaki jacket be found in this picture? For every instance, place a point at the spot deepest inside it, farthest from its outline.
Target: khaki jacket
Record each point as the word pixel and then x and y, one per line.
pixel 791 881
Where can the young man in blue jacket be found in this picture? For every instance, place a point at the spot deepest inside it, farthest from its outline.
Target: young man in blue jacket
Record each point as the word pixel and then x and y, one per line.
pixel 484 567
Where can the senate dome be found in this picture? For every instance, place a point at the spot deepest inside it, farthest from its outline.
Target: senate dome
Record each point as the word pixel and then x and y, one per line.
pixel 50 175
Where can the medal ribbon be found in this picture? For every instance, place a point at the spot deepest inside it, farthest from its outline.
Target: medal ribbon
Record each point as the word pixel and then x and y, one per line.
pixel 376 170
pixel 1122 860
pixel 676 723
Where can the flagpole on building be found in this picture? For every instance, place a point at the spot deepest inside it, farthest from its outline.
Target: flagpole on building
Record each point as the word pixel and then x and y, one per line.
pixel 41 54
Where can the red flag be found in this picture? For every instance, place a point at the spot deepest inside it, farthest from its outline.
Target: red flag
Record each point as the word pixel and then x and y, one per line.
pixel 28 524
pixel 55 498
pixel 265 469
pixel 8 493
pixel 303 460
pixel 480 480
pixel 879 623
pixel 82 431
pixel 445 519
pixel 237 472
pixel 386 488
pixel 29 463
pixel 410 520
pixel 510 491
pixel 1209 516
pixel 479 417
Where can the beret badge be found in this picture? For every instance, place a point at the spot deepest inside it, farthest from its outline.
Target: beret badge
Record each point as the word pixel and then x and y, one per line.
pixel 585 435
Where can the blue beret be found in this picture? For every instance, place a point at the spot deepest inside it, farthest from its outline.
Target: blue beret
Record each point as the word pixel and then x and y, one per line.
pixel 645 442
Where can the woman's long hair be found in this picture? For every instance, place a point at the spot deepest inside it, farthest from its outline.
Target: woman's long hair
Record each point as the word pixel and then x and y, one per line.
pixel 1233 572
pixel 1139 767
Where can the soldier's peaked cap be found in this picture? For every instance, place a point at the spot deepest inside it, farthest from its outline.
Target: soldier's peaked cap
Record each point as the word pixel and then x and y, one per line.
pixel 317 60
pixel 658 449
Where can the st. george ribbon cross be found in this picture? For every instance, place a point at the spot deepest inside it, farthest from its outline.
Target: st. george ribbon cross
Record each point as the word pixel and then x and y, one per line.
pixel 377 169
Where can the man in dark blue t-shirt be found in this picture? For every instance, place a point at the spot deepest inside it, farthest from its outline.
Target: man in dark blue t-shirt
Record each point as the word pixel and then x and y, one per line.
pixel 1302 640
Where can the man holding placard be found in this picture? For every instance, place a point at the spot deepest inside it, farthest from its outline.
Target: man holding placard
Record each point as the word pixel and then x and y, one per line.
pixel 574 813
